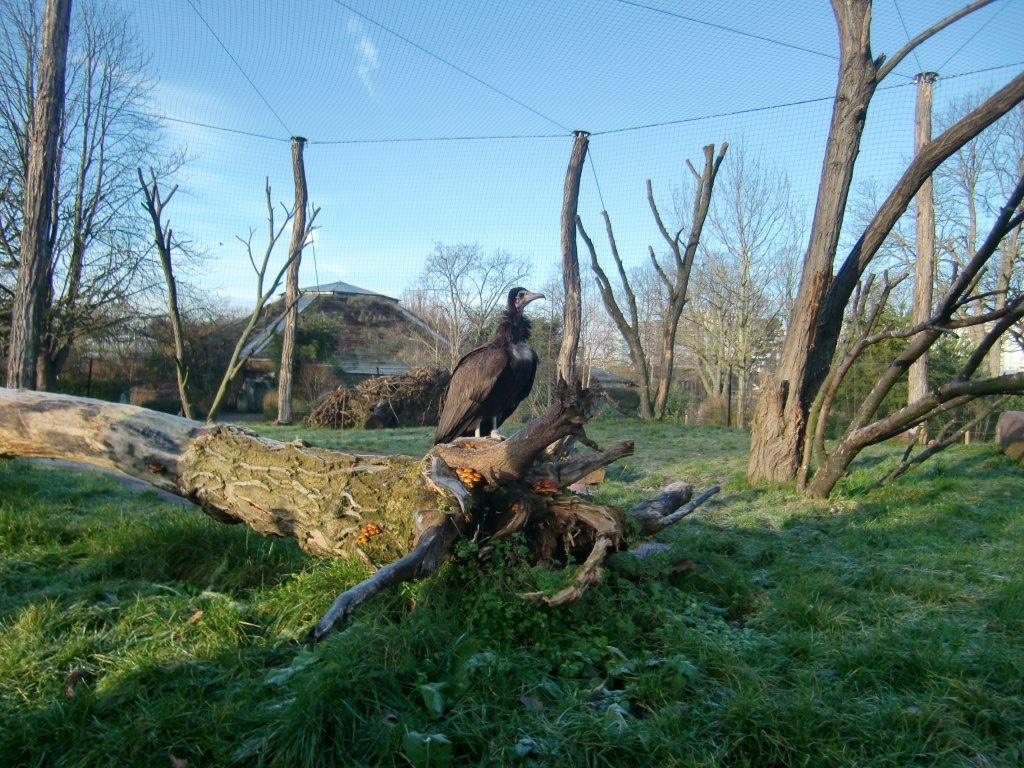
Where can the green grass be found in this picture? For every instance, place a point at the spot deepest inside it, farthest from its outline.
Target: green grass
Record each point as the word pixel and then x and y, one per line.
pixel 876 629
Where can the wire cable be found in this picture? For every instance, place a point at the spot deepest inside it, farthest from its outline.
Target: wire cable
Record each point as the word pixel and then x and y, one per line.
pixel 783 105
pixel 724 28
pixel 316 272
pixel 415 139
pixel 220 128
pixel 986 69
pixel 597 183
pixel 975 34
pixel 698 118
pixel 527 136
pixel 239 66
pixel 896 5
pixel 448 63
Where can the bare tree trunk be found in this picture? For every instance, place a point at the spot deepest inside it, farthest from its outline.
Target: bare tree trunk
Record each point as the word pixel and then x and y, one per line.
pixel 776 440
pixel 1008 252
pixel 864 428
pixel 780 422
pixel 924 268
pixel 163 240
pixel 291 292
pixel 34 266
pixel 263 294
pixel 653 399
pixel 629 328
pixel 679 286
pixel 572 311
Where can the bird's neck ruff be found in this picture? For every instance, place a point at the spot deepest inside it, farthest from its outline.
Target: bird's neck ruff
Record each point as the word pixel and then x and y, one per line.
pixel 513 328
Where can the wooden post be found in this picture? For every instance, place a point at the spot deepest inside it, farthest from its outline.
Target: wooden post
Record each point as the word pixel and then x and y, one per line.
pixel 291 291
pixel 728 399
pixel 572 313
pixel 924 267
pixel 44 132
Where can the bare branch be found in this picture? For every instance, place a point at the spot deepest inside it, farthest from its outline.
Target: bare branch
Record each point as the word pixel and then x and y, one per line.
pixel 673 242
pixel 931 31
pixel 162 238
pixel 630 329
pixel 634 317
pixel 567 472
pixel 1012 313
pixel 425 558
pixel 940 444
pixel 657 268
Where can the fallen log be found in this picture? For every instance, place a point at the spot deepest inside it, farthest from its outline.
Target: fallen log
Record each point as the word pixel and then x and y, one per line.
pixel 400 515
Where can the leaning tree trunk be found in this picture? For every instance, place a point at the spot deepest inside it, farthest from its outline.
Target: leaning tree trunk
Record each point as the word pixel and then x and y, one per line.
pixel 777 435
pixel 397 513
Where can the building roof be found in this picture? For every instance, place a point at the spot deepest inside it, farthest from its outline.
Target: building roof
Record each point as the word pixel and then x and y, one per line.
pixel 343 288
pixel 261 339
pixel 608 378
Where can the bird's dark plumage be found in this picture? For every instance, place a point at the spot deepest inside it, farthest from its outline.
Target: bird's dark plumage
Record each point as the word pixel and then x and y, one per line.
pixel 490 381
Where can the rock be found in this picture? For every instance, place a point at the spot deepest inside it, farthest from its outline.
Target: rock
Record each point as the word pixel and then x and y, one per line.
pixel 1010 433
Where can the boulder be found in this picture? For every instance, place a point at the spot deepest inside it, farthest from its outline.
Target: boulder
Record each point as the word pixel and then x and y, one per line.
pixel 1010 433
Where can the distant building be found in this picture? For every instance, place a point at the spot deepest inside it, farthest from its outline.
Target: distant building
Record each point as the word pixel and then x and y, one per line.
pixel 1012 356
pixel 376 336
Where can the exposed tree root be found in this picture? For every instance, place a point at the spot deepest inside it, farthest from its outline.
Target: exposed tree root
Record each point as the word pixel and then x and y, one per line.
pixel 425 558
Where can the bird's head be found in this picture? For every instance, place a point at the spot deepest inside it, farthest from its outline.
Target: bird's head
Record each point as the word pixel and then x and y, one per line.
pixel 519 297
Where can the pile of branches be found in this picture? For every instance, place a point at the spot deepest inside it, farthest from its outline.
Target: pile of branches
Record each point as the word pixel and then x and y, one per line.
pixel 409 400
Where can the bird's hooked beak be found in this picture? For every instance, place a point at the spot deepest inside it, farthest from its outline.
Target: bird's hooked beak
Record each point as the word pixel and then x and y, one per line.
pixel 527 298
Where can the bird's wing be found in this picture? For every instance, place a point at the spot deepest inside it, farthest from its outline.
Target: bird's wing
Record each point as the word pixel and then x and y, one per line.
pixel 528 371
pixel 472 381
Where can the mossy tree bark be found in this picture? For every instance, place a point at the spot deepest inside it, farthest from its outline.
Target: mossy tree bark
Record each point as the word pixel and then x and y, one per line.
pixel 398 514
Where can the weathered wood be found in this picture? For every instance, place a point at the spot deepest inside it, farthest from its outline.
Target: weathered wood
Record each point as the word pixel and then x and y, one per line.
pixel 424 559
pixel 1010 434
pixel 924 266
pixel 135 441
pixel 291 291
pixel 320 498
pixel 503 461
pixel 398 514
pixel 650 513
pixel 577 467
pixel 572 311
pixel 670 507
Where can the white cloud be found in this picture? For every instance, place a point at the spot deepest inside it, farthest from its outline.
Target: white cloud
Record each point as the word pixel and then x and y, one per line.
pixel 368 57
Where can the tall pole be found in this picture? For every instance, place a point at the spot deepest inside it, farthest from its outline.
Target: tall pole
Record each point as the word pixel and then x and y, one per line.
pixel 728 399
pixel 572 313
pixel 924 267
pixel 37 212
pixel 291 289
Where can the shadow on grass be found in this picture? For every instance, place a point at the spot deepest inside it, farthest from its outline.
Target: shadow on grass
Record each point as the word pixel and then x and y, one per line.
pixel 883 629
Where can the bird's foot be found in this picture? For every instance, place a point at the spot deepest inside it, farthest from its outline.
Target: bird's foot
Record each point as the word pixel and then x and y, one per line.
pixel 495 435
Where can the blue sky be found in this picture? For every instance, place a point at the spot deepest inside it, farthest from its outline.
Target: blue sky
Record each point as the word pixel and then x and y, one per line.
pixel 353 78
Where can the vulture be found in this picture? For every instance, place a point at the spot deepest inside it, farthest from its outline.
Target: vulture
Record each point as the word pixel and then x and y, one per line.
pixel 489 382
